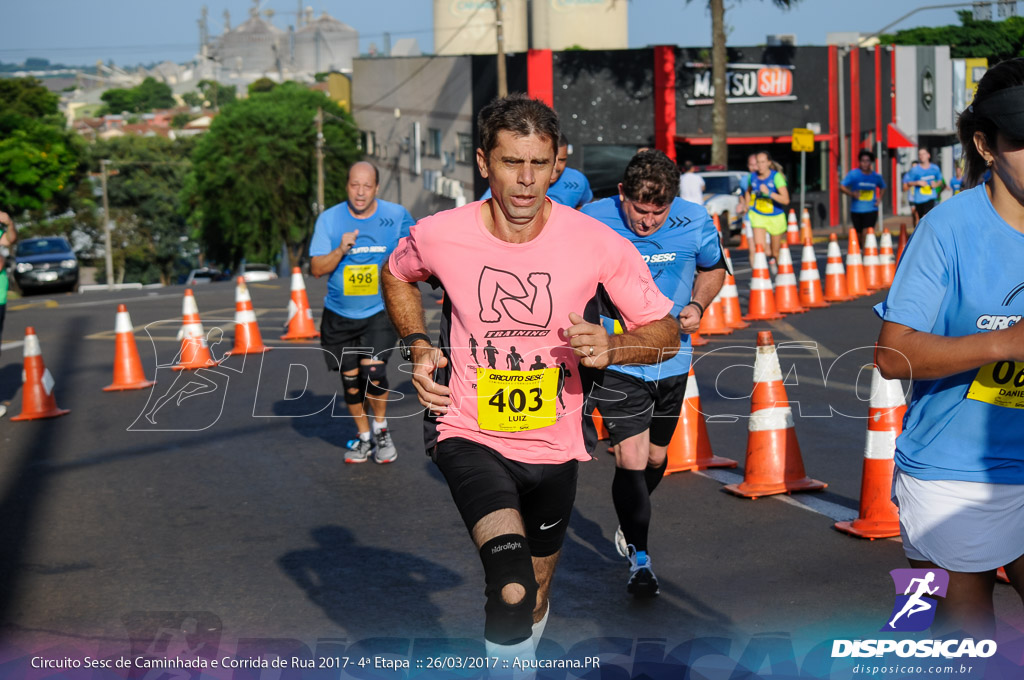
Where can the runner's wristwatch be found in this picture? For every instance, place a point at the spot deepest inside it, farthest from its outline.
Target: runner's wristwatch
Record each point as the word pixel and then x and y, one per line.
pixel 405 344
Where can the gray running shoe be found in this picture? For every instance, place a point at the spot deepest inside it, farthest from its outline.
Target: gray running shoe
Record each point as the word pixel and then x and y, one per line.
pixel 620 542
pixel 642 581
pixel 3 410
pixel 358 451
pixel 386 451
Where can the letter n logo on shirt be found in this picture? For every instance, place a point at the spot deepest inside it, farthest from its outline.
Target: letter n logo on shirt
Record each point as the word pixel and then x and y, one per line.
pixel 500 290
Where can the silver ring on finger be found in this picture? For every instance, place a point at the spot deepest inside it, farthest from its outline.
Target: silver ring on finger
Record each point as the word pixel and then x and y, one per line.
pixel 591 350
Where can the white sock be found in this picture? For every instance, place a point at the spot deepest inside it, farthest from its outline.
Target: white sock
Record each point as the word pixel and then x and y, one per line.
pixel 382 425
pixel 364 436
pixel 521 650
pixel 538 628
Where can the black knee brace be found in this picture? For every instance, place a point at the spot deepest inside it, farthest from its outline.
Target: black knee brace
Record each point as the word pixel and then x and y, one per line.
pixel 353 382
pixel 506 560
pixel 376 378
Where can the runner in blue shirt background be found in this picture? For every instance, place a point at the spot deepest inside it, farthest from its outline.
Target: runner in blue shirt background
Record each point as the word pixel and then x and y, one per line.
pixel 925 181
pixel 957 183
pixel 350 243
pixel 865 186
pixel 952 324
pixel 677 239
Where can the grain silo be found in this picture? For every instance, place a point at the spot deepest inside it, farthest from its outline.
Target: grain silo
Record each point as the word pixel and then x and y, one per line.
pixel 590 24
pixel 469 26
pixel 325 44
pixel 255 46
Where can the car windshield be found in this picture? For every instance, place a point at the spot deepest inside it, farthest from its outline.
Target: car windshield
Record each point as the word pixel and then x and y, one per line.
pixel 721 185
pixel 43 246
pixel 256 267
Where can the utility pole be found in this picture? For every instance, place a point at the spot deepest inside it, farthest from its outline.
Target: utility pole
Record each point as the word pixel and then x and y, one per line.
pixel 500 32
pixel 106 225
pixel 319 160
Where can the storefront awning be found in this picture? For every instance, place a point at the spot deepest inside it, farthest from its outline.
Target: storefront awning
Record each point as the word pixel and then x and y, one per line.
pixel 897 139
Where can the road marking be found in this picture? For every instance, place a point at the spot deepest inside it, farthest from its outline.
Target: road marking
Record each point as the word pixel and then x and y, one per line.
pixel 14 344
pixel 834 511
pixel 41 304
pixel 787 329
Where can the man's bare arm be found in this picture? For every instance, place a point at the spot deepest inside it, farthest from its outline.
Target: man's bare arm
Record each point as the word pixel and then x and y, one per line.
pixel 648 344
pixel 326 264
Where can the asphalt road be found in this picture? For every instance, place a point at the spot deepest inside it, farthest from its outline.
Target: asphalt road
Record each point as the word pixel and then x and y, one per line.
pixel 234 516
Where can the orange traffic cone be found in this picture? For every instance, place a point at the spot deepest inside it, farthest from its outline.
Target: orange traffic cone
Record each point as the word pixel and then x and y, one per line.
pixel 762 299
pixel 886 259
pixel 744 243
pixel 902 244
pixel 247 332
pixel 805 226
pixel 872 265
pixel 128 373
pixel 37 400
pixel 731 297
pixel 1001 575
pixel 811 295
pixel 879 517
pixel 300 316
pixel 787 295
pixel 856 283
pixel 713 321
pixel 835 273
pixel 195 353
pixel 696 340
pixel 718 226
pixel 774 463
pixel 690 448
pixel 602 431
pixel 792 232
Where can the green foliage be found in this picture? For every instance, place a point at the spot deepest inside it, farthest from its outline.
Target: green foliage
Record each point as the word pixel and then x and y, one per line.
pixel 148 95
pixel 218 95
pixel 261 85
pixel 150 236
pixel 180 120
pixel 39 158
pixel 192 99
pixel 254 174
pixel 996 40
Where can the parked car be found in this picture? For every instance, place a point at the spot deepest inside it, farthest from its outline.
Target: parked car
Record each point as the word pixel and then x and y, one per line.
pixel 45 263
pixel 256 271
pixel 722 191
pixel 204 275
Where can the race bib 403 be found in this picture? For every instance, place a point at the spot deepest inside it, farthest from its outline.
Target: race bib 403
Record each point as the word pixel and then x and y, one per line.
pixel 516 401
pixel 999 384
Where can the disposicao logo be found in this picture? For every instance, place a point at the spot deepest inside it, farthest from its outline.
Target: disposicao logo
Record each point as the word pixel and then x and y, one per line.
pixel 916 590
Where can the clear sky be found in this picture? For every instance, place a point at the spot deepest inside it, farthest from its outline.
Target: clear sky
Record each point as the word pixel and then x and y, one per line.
pixel 129 32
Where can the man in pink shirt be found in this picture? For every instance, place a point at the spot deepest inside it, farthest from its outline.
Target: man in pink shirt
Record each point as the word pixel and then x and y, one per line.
pixel 508 440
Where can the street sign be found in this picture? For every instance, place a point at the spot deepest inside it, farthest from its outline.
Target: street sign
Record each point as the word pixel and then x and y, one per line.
pixel 803 139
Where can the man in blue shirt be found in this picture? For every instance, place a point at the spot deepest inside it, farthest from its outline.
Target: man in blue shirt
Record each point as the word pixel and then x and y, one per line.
pixel 865 186
pixel 568 186
pixel 677 240
pixel 350 243
pixel 926 182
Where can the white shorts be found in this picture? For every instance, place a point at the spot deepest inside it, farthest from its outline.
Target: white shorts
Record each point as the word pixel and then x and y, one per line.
pixel 960 526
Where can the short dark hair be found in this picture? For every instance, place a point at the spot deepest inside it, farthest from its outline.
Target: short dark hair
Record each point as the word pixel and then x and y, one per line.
pixel 562 140
pixel 521 116
pixel 865 152
pixel 651 177
pixel 1005 74
pixel 687 165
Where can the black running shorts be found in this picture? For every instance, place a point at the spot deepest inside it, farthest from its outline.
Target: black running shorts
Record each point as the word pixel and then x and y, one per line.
pixel 482 481
pixel 923 208
pixel 350 340
pixel 630 405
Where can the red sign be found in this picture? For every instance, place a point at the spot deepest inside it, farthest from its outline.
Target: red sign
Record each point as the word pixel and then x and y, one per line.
pixel 774 82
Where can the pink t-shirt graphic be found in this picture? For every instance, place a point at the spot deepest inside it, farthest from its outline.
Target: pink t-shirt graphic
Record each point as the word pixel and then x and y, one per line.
pixel 510 307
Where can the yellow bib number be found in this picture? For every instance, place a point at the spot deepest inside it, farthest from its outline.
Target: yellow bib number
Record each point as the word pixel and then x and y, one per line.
pixel 999 384
pixel 764 205
pixel 926 190
pixel 867 195
pixel 361 279
pixel 516 401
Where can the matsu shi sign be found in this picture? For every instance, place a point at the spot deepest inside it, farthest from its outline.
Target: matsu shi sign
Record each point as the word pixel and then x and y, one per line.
pixel 745 83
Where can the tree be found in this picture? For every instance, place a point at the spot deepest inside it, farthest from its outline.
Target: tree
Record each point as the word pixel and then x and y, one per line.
pixel 148 95
pixel 150 233
pixel 216 95
pixel 192 99
pixel 40 160
pixel 996 40
pixel 253 182
pixel 261 85
pixel 720 109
